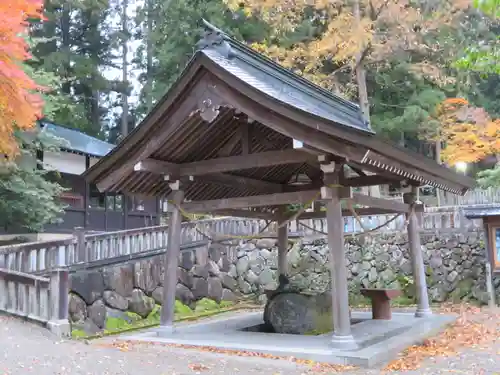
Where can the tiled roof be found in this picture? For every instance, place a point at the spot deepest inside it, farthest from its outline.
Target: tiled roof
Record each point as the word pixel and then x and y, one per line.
pixel 78 141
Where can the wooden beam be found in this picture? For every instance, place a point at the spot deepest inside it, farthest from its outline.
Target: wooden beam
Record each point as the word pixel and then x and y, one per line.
pixel 234 163
pixel 240 181
pixel 226 164
pixel 246 140
pixel 246 213
pixel 158 167
pixel 385 204
pixel 251 201
pixel 368 181
pixel 367 211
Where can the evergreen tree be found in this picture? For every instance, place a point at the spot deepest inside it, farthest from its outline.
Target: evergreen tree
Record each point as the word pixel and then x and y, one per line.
pixel 170 30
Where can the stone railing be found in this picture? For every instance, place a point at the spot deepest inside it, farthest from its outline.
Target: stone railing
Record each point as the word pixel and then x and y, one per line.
pixel 102 249
pixel 87 250
pixel 40 299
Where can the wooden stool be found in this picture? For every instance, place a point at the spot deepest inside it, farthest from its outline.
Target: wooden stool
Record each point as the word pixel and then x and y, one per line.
pixel 381 301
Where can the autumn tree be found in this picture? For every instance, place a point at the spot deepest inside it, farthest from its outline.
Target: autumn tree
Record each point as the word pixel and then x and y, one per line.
pixel 20 105
pixel 469 133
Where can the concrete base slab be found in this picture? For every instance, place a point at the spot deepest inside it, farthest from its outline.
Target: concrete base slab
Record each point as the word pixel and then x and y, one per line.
pixel 377 341
pixel 60 328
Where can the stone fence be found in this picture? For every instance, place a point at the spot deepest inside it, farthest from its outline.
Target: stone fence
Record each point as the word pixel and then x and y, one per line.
pixel 233 270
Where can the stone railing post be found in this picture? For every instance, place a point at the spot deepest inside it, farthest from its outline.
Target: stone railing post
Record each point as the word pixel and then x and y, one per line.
pixel 58 303
pixel 81 253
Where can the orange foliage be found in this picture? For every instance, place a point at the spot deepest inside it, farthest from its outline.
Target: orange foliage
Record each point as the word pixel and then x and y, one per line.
pixel 468 132
pixel 20 106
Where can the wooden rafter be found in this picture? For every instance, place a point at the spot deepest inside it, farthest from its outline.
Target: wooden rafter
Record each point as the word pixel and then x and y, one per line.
pixel 228 148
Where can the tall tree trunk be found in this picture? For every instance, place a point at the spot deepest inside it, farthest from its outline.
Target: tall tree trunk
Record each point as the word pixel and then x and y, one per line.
pixel 66 46
pixel 361 73
pixel 364 104
pixel 149 56
pixel 438 160
pixel 125 110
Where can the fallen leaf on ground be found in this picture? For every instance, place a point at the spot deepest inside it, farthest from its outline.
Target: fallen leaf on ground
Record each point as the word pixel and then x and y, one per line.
pixel 198 367
pixel 473 327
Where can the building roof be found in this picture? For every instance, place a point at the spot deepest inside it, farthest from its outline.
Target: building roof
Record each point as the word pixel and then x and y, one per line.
pixel 281 84
pixel 78 142
pixel 227 87
pixel 478 212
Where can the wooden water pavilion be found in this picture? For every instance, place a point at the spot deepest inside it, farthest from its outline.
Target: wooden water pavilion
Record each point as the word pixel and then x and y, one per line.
pixel 232 136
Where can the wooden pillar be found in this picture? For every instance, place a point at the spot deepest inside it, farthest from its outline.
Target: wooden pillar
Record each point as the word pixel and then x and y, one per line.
pixel 171 260
pixel 86 199
pixel 342 337
pixel 282 243
pixel 490 263
pixel 417 260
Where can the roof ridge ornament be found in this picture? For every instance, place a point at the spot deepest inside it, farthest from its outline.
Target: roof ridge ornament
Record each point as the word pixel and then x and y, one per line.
pixel 214 38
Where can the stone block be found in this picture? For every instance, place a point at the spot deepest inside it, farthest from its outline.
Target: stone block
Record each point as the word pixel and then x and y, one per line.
pixel 200 288
pixel 228 282
pixel 183 294
pixel 140 303
pixel 77 309
pixel 184 277
pixel 88 285
pixel 214 289
pixel 114 300
pixel 97 313
pixel 146 275
pixel 119 279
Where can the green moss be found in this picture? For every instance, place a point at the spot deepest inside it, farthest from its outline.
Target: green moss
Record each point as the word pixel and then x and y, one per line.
pixel 182 310
pixel 206 304
pixel 133 316
pixel 117 324
pixel 78 334
pixel 226 304
pixel 205 308
pixel 155 314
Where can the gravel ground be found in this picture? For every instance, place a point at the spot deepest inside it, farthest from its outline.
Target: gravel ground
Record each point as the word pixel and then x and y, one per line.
pixel 28 349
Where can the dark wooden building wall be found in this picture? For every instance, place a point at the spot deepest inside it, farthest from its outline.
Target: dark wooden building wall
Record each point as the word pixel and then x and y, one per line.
pixel 96 211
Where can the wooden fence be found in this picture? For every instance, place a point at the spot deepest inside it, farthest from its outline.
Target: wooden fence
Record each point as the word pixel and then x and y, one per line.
pixel 40 299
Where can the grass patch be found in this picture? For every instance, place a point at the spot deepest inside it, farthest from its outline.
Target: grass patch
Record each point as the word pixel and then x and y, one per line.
pixel 131 321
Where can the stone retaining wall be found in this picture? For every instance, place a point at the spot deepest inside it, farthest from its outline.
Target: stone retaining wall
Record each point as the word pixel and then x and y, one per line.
pixel 232 271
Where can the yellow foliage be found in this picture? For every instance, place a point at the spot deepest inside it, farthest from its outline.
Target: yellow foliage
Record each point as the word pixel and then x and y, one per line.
pixel 469 133
pixel 383 29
